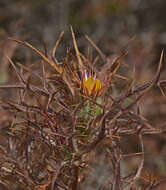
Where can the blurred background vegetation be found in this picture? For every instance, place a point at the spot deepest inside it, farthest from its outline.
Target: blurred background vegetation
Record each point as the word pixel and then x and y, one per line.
pixel 108 22
pixel 111 24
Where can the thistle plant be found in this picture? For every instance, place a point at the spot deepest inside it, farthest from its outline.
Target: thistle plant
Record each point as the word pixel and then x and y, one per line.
pixel 58 124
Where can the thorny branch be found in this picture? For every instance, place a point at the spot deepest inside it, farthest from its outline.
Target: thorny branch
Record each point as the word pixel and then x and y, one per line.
pixel 56 125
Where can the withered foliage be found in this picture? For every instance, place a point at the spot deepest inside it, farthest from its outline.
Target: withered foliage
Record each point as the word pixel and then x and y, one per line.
pixel 55 132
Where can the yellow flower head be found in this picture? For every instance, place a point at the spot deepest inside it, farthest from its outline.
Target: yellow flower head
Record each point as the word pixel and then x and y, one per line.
pixel 91 85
